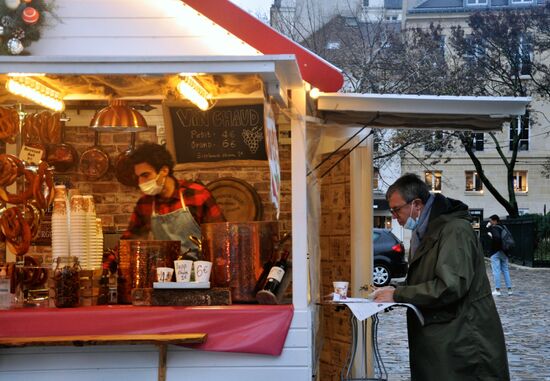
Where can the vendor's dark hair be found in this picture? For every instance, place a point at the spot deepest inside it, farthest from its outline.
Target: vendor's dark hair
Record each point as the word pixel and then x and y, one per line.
pixel 153 154
pixel 410 186
pixel 494 217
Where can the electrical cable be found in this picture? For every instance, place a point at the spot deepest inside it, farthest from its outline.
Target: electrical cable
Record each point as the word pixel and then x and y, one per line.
pixel 335 151
pixel 346 154
pixel 343 144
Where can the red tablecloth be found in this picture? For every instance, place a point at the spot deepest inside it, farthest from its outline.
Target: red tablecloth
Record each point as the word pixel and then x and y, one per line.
pixel 238 328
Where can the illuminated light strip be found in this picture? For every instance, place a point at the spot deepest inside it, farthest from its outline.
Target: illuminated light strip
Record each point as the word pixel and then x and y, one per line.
pixel 36 92
pixel 192 90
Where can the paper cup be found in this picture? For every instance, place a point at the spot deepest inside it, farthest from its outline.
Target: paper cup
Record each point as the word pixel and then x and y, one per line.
pixel 340 290
pixel 164 274
pixel 183 270
pixel 202 270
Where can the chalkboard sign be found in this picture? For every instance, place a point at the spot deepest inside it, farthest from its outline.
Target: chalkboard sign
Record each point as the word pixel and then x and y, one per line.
pixel 219 134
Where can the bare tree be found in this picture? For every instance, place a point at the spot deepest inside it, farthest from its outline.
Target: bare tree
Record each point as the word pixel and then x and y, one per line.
pixel 503 53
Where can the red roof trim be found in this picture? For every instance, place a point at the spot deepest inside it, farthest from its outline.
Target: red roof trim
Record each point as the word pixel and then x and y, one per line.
pixel 315 70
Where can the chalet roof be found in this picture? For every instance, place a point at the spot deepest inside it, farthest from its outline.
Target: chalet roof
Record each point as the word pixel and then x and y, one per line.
pixel 393 4
pixel 183 28
pixel 314 69
pixel 459 6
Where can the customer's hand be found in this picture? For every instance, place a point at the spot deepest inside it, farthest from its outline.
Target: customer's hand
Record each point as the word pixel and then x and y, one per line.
pixel 383 295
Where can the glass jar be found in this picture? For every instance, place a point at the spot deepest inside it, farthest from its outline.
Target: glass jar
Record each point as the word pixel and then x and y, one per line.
pixel 67 282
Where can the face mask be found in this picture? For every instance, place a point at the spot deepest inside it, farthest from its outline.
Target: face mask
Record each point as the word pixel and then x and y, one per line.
pixel 151 187
pixel 411 223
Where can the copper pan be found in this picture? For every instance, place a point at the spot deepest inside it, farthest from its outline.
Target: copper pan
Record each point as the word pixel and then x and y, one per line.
pixel 238 251
pixel 94 162
pixel 124 170
pixel 62 156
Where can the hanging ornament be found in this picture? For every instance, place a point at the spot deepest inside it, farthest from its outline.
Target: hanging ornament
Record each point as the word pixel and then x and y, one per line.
pixel 12 4
pixel 15 46
pixel 1 30
pixel 18 33
pixel 7 21
pixel 30 15
pixel 28 1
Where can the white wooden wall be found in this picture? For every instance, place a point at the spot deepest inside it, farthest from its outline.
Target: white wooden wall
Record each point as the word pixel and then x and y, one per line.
pixel 130 27
pixel 139 362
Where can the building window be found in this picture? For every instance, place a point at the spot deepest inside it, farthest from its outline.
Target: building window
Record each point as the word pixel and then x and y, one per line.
pixel 333 45
pixel 478 141
pixel 520 125
pixel 433 180
pixel 365 3
pixel 473 182
pixel 522 1
pixel 476 2
pixel 475 50
pixel 524 56
pixel 435 142
pixel 375 178
pixel 350 21
pixel 520 181
pixel 383 222
pixel 523 211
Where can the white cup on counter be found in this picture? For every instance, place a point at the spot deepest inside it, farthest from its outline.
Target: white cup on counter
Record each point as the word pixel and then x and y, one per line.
pixel 202 270
pixel 164 274
pixel 340 290
pixel 183 270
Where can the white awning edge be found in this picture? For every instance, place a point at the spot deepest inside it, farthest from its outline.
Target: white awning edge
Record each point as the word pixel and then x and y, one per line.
pixel 421 111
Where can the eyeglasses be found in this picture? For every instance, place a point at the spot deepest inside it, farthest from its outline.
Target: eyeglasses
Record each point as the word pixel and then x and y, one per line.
pixel 396 210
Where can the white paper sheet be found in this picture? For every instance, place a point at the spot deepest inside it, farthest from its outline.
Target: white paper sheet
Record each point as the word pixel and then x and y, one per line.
pixel 364 308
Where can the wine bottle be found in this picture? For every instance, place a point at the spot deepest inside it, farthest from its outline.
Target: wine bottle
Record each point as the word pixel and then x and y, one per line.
pixel 265 272
pixel 103 296
pixel 277 273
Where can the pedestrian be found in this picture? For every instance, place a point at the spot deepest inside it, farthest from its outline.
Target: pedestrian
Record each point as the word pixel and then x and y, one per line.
pixel 499 259
pixel 462 337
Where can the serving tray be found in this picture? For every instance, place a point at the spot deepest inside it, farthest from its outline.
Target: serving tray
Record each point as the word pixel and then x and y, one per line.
pixel 181 285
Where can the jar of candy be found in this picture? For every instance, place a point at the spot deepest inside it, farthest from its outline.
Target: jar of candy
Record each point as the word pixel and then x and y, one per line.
pixel 67 282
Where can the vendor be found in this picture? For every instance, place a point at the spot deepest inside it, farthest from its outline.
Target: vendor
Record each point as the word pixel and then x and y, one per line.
pixel 170 209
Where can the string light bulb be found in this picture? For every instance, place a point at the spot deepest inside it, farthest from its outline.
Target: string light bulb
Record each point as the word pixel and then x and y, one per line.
pixel 194 92
pixel 314 93
pixel 31 89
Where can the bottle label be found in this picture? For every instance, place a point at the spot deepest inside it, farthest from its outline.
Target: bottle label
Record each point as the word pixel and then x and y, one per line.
pixel 276 273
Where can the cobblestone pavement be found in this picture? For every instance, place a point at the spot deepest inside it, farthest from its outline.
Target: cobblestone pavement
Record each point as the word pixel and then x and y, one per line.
pixel 525 318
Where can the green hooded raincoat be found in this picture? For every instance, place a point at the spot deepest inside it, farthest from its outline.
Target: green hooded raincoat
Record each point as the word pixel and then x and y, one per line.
pixel 462 338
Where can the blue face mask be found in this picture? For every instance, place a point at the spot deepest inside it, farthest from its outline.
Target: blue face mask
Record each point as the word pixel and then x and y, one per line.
pixel 411 223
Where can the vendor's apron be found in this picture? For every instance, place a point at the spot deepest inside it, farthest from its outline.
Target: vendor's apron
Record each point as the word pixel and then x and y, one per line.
pixel 176 226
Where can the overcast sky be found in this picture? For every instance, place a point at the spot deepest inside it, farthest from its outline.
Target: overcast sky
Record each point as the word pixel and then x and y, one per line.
pixel 255 7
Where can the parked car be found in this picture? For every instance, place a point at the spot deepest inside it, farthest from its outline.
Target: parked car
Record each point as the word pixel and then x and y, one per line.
pixel 389 257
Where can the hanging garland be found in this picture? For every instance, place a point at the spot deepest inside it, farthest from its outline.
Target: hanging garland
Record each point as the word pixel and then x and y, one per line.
pixel 20 23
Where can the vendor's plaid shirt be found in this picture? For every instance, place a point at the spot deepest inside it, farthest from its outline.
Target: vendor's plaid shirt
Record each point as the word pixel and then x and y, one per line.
pixel 197 198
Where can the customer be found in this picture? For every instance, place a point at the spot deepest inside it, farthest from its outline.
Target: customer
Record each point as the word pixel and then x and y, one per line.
pixel 462 337
pixel 170 209
pixel 499 259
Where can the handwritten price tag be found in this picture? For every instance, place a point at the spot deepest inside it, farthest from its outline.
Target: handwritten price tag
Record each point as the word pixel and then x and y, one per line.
pixel 31 155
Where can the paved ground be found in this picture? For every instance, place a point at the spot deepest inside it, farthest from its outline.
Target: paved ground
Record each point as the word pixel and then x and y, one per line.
pixel 525 318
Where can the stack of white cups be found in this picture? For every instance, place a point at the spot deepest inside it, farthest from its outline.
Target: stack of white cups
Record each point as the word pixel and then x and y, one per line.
pixel 78 232
pixel 95 254
pixel 91 233
pixel 60 229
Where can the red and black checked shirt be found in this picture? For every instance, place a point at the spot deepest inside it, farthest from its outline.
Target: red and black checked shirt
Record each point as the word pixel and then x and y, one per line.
pixel 197 198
